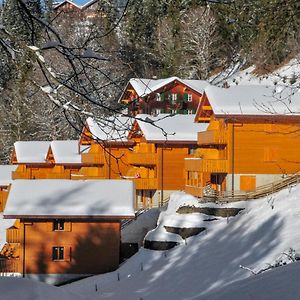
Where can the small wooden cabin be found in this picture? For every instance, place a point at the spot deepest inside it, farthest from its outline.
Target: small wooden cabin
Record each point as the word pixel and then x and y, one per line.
pixel 155 96
pixel 252 139
pixel 68 228
pixel 157 160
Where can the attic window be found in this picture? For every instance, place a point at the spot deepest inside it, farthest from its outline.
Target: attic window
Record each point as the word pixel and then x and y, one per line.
pixel 58 225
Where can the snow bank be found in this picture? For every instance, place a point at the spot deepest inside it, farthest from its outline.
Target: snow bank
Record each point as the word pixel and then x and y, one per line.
pixel 209 261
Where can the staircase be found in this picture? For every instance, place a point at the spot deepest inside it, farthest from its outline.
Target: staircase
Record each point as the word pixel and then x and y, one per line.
pixel 261 191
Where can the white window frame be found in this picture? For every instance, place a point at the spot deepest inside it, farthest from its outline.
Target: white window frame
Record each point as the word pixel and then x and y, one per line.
pixel 174 98
pixel 190 97
pixel 158 97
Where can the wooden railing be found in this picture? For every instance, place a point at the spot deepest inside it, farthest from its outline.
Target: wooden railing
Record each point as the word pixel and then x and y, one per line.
pixel 92 158
pixel 212 137
pixel 145 183
pixel 8 266
pixel 139 159
pixel 206 165
pixel 259 192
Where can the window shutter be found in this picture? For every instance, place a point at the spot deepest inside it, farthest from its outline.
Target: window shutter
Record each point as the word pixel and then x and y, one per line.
pixel 67 253
pixel 178 98
pixel 162 110
pixel 162 96
pixel 68 226
pixel 185 97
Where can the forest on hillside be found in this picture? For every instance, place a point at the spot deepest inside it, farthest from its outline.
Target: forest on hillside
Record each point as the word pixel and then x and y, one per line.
pixel 57 70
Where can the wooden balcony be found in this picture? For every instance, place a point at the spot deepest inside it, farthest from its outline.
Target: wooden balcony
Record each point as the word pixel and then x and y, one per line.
pixel 193 190
pixel 142 159
pixel 212 137
pixel 21 175
pixel 146 183
pixel 92 158
pixel 12 235
pixel 206 165
pixel 9 266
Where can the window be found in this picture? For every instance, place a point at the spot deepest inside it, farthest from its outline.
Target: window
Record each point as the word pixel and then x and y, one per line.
pixel 158 97
pixel 190 97
pixel 190 112
pixel 58 253
pixel 59 225
pixel 174 98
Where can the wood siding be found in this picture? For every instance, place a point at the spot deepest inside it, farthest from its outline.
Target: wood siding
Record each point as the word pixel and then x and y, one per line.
pixel 89 247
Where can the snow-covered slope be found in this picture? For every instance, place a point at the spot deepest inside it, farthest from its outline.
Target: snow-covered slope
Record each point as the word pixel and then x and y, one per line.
pixel 211 260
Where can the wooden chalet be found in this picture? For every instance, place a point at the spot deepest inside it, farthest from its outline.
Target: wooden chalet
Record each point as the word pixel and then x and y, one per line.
pixel 68 8
pixel 155 96
pixel 157 159
pixel 67 228
pixel 106 145
pixel 252 139
pixel 47 160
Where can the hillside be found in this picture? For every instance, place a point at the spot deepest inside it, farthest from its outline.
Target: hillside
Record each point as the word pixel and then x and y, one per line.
pixel 256 238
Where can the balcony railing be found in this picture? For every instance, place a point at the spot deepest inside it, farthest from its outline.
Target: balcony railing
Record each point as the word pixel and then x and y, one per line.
pixel 193 190
pixel 212 137
pixel 92 158
pixel 142 159
pixel 13 235
pixel 21 175
pixel 145 183
pixel 8 266
pixel 206 165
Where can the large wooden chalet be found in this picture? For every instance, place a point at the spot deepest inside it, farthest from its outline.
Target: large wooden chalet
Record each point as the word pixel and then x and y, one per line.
pixel 155 96
pixel 67 229
pixel 157 159
pixel 252 139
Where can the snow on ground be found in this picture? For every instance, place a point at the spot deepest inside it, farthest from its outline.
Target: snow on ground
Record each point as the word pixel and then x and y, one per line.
pixel 283 76
pixel 280 283
pixel 13 288
pixel 211 260
pixel 135 231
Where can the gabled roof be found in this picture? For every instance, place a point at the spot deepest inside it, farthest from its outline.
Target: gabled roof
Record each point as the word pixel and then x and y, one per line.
pixel 172 128
pixel 70 199
pixel 69 2
pixel 67 152
pixel 112 129
pixel 31 151
pixel 253 100
pixel 144 87
pixel 5 174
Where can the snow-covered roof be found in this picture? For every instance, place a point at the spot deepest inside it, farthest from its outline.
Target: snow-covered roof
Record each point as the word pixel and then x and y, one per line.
pixel 253 100
pixel 31 151
pixel 112 129
pixel 5 174
pixel 144 87
pixel 66 152
pixel 69 2
pixel 70 198
pixel 165 127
